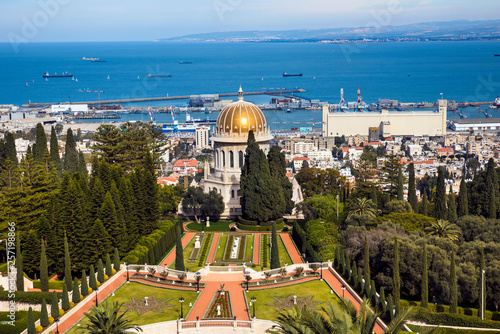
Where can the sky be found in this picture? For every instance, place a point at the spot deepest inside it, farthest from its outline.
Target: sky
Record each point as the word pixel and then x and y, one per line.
pixel 146 20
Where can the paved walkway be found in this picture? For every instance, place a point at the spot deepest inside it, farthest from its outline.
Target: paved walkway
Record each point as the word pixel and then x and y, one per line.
pixel 171 256
pixel 256 249
pixel 337 286
pixel 213 249
pixel 290 246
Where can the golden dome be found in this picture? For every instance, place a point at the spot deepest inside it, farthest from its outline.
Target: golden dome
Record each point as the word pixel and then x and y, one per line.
pixel 241 117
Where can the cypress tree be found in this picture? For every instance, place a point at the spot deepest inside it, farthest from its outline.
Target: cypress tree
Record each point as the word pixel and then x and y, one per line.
pixel 100 271
pixel 424 203
pixel 367 288
pixel 453 286
pixel 116 260
pixel 373 196
pixel 390 307
pixel 412 193
pixel 31 322
pixel 396 279
pixel 179 255
pixel 440 209
pixel 492 207
pixel 463 201
pixel 400 189
pixel 337 257
pixel 355 278
pixel 425 278
pixel 492 188
pixel 44 315
pixel 275 257
pixel 54 306
pixel 360 286
pixel 277 168
pixel 65 299
pixel 54 150
pixel 452 207
pixel 109 272
pixel 482 301
pixel 44 272
pixel 381 300
pixel 19 266
pixel 92 279
pixel 348 269
pixel 373 293
pixel 366 261
pixel 67 264
pixel 75 297
pixel 84 287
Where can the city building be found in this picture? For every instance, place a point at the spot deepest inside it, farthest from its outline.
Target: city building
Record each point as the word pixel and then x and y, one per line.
pixel 202 137
pixel 407 123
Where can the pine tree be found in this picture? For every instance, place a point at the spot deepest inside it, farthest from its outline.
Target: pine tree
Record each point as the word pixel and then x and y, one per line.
pixel 400 189
pixel 453 286
pixel 463 202
pixel 40 146
pixel 101 241
pixel 424 203
pixel 54 150
pixel 275 256
pixel 92 279
pixel 44 271
pixel 179 255
pixel 440 209
pixel 84 286
pixel 116 260
pixel 10 149
pixel 65 299
pixel 452 207
pixel 82 165
pixel 19 266
pixel 68 280
pixel 150 199
pixel 109 272
pixel 70 154
pixel 31 254
pixel 100 271
pixel 44 315
pixel 75 297
pixel 412 193
pixel 425 278
pixel 108 217
pixel 396 279
pixel 31 322
pixel 54 306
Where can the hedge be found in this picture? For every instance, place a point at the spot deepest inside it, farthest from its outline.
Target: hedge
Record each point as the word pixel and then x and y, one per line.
pixel 241 226
pixel 20 323
pixel 30 297
pixel 452 319
pixel 204 252
pixel 265 250
pixel 151 248
pixel 246 222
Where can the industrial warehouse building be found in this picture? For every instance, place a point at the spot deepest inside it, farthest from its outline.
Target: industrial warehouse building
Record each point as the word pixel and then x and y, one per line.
pixel 410 123
pixel 476 124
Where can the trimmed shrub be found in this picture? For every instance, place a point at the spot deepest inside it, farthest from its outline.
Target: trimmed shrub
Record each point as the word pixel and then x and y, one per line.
pixel 39 329
pixel 204 252
pixel 51 320
pixel 29 297
pixel 61 312
pixel 452 319
pixel 259 228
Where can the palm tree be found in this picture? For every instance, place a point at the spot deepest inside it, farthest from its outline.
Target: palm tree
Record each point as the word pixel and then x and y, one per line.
pixel 363 206
pixel 106 319
pixel 338 318
pixel 444 229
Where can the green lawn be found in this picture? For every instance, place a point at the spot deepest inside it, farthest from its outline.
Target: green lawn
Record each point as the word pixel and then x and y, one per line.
pixel 219 254
pixel 21 322
pixel 221 246
pixel 136 290
pixel 192 266
pixel 57 285
pixel 284 257
pixel 249 249
pixel 219 226
pixel 318 289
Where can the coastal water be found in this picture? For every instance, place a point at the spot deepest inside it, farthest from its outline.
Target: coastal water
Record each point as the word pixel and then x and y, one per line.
pixel 408 72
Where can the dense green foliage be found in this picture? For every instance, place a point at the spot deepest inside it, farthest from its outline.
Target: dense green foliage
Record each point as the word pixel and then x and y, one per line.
pixel 275 255
pixel 199 204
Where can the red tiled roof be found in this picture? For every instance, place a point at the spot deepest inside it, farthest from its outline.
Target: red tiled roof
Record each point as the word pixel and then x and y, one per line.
pixel 445 149
pixel 300 158
pixel 188 162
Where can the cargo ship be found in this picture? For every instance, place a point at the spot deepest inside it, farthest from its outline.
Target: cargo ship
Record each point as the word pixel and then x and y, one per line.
pixel 159 76
pixel 63 75
pixel 185 62
pixel 496 104
pixel 292 75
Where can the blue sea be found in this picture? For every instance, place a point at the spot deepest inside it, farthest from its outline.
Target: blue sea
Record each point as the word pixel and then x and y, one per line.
pixel 408 72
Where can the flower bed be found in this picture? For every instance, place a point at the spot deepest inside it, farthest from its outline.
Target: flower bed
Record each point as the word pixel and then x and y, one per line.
pixel 223 299
pixel 194 253
pixel 166 281
pixel 279 280
pixel 241 249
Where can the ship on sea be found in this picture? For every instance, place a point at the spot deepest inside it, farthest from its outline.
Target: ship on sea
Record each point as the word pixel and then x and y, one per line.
pixel 63 75
pixel 159 75
pixel 185 62
pixel 496 104
pixel 292 75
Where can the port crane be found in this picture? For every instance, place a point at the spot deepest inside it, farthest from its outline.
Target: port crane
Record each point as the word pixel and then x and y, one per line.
pixel 479 110
pixel 93 91
pixel 342 104
pixel 455 111
pixel 360 104
pixel 152 116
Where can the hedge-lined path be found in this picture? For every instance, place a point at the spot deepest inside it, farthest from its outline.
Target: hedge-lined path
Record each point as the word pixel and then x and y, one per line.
pixel 256 248
pixel 423 324
pixel 290 246
pixel 232 283
pixel 213 248
pixel 171 256
pixel 337 287
pixel 70 321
